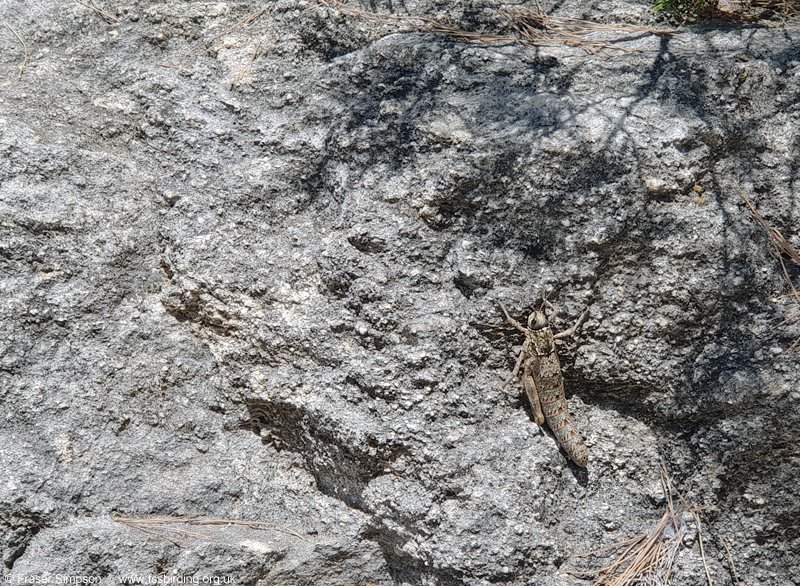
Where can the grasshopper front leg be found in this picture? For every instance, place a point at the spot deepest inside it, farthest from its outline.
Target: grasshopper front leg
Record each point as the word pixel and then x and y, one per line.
pixel 512 321
pixel 523 353
pixel 515 372
pixel 571 331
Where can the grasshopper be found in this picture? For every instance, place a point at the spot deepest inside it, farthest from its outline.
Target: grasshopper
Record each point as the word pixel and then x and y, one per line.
pixel 542 381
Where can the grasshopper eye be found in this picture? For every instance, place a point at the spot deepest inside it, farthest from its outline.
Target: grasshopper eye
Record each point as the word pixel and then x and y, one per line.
pixel 537 321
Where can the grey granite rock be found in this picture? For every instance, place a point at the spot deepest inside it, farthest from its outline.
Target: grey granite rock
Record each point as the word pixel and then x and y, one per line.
pixel 266 289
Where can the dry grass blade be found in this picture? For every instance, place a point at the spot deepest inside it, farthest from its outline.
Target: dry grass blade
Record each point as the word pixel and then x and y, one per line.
pixel 106 16
pixel 243 71
pixel 169 528
pixel 779 243
pixel 780 248
pixel 693 512
pixel 24 46
pixel 630 542
pixel 247 19
pixel 755 10
pixel 790 315
pixel 163 527
pixel 648 559
pixel 730 559
pixel 539 28
pixel 213 47
pixel 247 523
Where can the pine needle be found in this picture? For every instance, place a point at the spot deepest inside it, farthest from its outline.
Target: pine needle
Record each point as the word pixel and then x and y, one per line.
pixel 780 248
pixel 531 27
pixel 171 529
pixel 647 559
pixel 247 19
pixel 106 16
pixel 24 46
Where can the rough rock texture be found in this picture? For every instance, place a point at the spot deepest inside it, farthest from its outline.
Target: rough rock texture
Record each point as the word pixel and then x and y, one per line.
pixel 310 245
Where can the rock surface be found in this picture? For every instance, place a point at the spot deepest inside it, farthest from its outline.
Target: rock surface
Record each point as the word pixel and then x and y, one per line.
pixel 301 228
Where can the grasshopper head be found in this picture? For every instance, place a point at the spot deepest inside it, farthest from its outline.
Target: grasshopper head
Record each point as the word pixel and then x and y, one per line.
pixel 537 320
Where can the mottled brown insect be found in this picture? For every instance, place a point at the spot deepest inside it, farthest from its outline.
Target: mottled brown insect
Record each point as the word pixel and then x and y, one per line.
pixel 542 381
